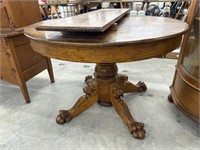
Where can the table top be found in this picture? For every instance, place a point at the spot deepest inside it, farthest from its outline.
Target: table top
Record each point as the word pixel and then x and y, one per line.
pixel 97 21
pixel 136 38
pixel 130 29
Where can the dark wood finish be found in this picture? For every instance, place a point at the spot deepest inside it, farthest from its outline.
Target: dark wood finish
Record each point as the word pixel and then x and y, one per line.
pixel 97 21
pixel 88 47
pixel 160 36
pixel 185 89
pixel 19 62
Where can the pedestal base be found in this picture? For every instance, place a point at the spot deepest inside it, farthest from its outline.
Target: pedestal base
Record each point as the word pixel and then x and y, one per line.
pixel 107 88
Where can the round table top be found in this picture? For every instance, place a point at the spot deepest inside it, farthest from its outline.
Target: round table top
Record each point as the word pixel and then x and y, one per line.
pixel 135 38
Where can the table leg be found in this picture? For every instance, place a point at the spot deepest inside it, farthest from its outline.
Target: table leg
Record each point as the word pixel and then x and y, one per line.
pixel 83 103
pixel 135 128
pixel 128 87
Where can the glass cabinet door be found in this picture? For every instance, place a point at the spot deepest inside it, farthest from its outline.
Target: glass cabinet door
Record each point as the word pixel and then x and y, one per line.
pixel 191 56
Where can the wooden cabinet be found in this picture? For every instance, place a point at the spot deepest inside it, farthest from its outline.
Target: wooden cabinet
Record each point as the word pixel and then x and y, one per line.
pixel 18 62
pixel 185 89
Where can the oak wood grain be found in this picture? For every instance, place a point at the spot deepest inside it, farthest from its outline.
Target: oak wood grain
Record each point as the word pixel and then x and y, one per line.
pixel 185 89
pixel 4 18
pixel 22 12
pixel 136 38
pixel 18 61
pixel 130 30
pixel 95 21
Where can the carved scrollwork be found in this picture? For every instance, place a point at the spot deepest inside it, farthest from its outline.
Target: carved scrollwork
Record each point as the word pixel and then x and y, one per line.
pixel 122 78
pixel 88 79
pixel 91 89
pixel 118 93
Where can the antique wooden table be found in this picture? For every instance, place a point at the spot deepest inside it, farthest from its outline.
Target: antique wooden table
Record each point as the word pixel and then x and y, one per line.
pixel 136 38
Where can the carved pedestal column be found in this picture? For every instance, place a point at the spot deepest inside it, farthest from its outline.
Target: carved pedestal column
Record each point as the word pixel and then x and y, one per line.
pixel 108 89
pixel 105 75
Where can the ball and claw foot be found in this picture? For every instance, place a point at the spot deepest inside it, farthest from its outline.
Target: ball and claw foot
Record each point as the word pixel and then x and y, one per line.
pixel 64 117
pixel 142 86
pixel 137 130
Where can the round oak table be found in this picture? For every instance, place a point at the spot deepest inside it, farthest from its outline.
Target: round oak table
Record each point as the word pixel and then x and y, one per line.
pixel 136 38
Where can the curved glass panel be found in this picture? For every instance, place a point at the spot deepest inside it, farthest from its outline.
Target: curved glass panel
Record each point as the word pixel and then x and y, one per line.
pixel 191 57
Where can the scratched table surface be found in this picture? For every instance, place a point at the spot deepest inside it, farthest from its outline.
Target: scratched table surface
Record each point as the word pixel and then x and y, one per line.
pixel 130 29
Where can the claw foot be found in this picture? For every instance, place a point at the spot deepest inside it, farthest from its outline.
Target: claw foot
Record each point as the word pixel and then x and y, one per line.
pixel 142 86
pixel 64 117
pixel 137 130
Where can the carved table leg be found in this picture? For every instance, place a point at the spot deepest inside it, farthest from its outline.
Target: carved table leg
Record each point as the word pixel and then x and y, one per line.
pixel 128 87
pixel 135 128
pixel 88 79
pixel 83 103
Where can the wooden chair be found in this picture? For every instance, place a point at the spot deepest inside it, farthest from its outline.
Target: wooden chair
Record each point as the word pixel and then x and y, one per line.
pixel 19 62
